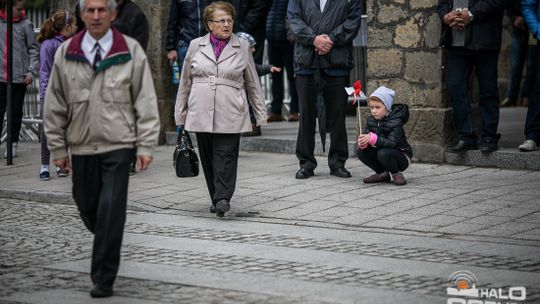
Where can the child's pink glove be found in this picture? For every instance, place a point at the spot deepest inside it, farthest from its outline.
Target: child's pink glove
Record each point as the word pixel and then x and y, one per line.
pixel 366 140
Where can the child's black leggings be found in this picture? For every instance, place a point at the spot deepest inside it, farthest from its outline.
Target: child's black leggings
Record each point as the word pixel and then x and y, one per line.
pixel 383 159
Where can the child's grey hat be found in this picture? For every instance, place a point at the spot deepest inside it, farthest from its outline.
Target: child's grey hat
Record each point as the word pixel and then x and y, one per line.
pixel 386 95
pixel 247 37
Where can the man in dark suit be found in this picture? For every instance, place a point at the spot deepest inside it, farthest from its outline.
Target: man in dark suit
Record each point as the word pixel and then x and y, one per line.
pixel 472 38
pixel 323 32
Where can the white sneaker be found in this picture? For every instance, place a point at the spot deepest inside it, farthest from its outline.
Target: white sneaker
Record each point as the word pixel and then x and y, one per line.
pixel 528 145
pixel 13 150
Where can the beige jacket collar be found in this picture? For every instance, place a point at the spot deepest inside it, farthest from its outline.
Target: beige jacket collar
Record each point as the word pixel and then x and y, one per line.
pixel 231 49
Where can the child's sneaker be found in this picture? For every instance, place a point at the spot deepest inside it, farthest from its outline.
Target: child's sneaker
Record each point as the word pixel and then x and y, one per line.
pixel 378 178
pixel 399 179
pixel 44 176
pixel 61 173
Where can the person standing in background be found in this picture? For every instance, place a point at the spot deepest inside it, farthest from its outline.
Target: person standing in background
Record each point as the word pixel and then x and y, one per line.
pixel 531 14
pixel 181 29
pixel 280 53
pixel 323 32
pixel 130 20
pixel 25 64
pixel 54 31
pixel 481 25
pixel 520 58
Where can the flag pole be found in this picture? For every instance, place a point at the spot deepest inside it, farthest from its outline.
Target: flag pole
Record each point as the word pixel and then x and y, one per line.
pixel 359 114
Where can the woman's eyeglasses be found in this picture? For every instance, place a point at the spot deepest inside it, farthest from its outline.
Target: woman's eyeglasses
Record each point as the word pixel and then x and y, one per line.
pixel 223 21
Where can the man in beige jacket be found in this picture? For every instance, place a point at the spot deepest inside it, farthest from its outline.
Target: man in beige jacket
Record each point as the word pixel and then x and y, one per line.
pixel 101 104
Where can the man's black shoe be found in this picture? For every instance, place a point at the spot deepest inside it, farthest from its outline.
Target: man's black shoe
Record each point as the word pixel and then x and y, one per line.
pixel 221 207
pixel 461 146
pixel 489 144
pixel 212 208
pixel 303 173
pixel 341 172
pixel 99 292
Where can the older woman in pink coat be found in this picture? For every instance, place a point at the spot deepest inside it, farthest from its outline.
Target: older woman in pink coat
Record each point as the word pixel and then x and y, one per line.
pixel 217 83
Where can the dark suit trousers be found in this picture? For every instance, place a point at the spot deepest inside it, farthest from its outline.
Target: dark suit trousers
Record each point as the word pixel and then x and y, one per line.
pixel 100 185
pixel 335 100
pixel 219 160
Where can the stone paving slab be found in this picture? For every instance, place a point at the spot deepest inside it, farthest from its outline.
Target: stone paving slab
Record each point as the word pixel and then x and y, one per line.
pixel 69 297
pixel 309 291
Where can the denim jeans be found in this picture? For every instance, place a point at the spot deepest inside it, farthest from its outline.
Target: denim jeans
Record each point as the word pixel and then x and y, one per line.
pixel 461 62
pixel 181 55
pixel 532 122
pixel 520 56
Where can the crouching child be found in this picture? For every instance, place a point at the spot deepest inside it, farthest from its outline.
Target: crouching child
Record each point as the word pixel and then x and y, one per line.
pixel 383 146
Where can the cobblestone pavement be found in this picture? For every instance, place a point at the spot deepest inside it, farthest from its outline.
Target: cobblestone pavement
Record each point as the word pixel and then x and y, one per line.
pixel 177 259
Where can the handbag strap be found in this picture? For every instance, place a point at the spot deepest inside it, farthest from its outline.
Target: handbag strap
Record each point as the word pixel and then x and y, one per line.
pixel 184 136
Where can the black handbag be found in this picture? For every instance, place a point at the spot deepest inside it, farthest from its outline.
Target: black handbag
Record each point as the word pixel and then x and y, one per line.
pixel 185 160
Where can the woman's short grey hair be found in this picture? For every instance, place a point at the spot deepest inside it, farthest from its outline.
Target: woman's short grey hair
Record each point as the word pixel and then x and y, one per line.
pixel 111 5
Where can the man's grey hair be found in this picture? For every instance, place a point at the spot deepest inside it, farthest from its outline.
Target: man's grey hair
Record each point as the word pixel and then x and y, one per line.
pixel 111 5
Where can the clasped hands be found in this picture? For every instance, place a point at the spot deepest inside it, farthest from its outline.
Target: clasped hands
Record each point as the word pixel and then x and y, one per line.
pixel 323 44
pixel 458 18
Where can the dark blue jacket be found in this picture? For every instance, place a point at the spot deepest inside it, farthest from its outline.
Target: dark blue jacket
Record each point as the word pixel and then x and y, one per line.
pixel 340 20
pixel 182 24
pixel 486 28
pixel 531 13
pixel 275 24
pixel 389 130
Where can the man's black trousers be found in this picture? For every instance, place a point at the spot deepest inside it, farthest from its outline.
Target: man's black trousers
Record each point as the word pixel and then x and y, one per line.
pixel 219 160
pixel 100 185
pixel 336 101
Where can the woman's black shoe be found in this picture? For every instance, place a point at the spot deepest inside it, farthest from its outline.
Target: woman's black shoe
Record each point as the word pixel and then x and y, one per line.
pixel 221 207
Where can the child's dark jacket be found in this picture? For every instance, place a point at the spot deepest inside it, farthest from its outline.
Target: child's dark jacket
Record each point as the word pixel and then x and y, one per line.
pixel 389 130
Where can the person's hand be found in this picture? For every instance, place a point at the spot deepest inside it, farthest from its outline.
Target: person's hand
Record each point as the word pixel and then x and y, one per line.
pixel 454 19
pixel 179 129
pixel 363 140
pixel 519 22
pixel 465 17
pixel 143 161
pixel 63 164
pixel 28 79
pixel 323 44
pixel 274 69
pixel 172 56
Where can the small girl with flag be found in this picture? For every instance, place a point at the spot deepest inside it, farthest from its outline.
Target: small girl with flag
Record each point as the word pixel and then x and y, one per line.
pixel 382 145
